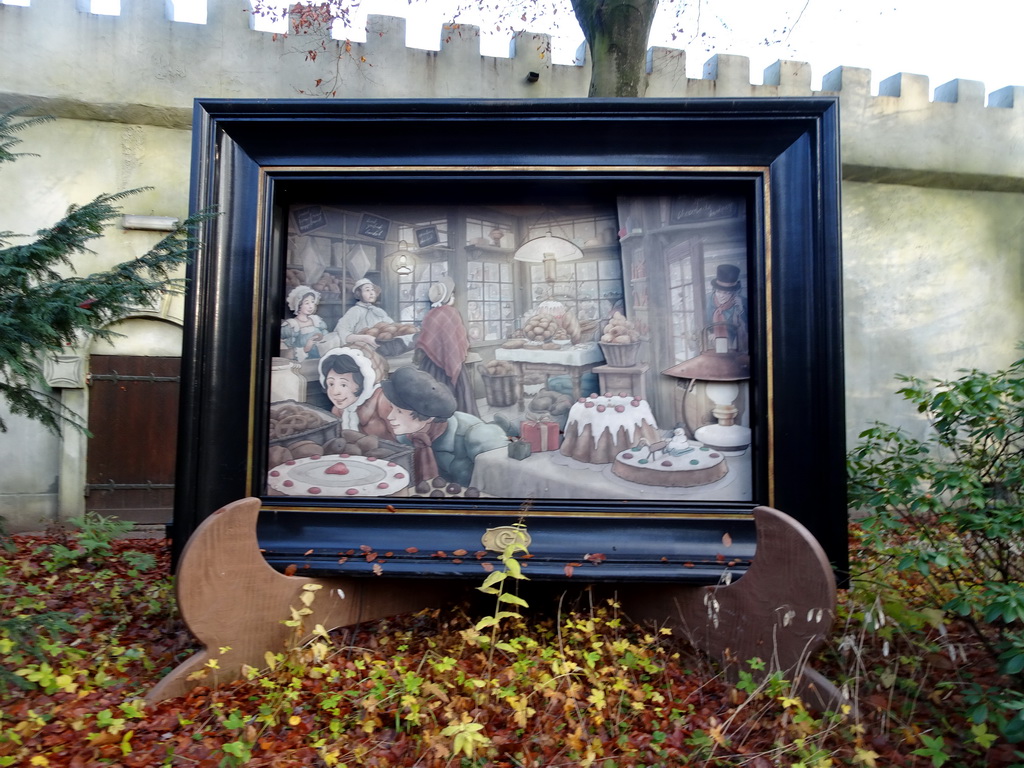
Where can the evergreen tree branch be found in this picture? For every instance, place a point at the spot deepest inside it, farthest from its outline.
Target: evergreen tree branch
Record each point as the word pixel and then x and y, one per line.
pixel 42 312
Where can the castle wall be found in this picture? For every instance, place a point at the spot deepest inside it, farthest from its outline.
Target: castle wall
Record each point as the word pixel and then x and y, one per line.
pixel 933 192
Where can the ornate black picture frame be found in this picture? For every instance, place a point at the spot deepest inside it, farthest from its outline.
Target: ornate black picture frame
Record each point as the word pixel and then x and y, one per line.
pixel 673 173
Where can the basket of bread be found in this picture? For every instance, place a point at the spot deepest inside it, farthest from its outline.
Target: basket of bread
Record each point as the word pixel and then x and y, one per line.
pixel 499 383
pixel 292 422
pixel 620 342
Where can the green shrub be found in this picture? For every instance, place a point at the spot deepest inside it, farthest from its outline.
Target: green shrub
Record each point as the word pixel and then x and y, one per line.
pixel 948 509
pixel 91 544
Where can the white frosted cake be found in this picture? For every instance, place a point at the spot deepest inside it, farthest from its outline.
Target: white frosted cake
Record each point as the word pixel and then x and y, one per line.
pixel 600 427
pixel 338 475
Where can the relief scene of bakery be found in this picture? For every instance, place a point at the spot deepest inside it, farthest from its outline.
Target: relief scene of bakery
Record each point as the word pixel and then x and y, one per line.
pixel 514 352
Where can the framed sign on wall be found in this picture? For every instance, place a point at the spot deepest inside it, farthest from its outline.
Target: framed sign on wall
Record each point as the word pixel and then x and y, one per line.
pixel 628 336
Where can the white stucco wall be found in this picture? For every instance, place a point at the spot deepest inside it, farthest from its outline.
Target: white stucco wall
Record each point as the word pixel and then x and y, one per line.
pixel 29 474
pixel 933 282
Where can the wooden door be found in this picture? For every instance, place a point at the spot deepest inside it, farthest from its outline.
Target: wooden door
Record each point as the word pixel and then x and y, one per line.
pixel 133 416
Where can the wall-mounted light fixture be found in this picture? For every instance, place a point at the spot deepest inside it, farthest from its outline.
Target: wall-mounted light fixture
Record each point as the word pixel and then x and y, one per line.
pixel 402 260
pixel 151 223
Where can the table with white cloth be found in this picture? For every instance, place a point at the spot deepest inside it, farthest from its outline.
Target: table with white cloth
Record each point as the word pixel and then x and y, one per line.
pixel 572 360
pixel 550 475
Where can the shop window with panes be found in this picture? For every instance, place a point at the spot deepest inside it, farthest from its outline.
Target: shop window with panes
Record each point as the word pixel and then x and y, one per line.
pixel 490 291
pixel 430 262
pixel 591 286
pixel 685 279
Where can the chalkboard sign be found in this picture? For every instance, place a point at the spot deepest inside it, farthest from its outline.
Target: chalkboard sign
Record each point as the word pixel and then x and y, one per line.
pixel 374 226
pixel 309 218
pixel 427 236
pixel 685 210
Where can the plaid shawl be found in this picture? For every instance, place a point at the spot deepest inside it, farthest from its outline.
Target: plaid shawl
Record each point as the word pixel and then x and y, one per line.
pixel 444 340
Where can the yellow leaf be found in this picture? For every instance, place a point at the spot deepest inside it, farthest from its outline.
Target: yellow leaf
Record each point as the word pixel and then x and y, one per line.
pixel 39 760
pixel 866 757
pixel 718 735
pixel 575 740
pixel 788 702
pixel 513 568
pixel 66 683
pixel 294 720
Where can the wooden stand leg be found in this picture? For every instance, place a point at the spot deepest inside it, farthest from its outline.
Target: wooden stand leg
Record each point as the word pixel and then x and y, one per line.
pixel 780 611
pixel 234 602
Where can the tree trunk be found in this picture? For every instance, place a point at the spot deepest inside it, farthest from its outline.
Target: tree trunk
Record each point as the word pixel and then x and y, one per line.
pixel 617 32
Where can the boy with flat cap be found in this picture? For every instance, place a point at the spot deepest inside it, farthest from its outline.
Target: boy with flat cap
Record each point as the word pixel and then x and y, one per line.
pixel 445 441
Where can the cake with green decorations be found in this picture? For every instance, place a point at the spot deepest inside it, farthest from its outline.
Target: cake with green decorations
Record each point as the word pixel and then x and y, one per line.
pixel 694 465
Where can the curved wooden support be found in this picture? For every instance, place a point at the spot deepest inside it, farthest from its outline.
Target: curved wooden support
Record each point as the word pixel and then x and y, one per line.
pixel 234 602
pixel 781 611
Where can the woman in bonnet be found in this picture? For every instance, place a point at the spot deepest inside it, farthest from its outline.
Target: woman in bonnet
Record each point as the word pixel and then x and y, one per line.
pixel 300 334
pixel 351 377
pixel 443 344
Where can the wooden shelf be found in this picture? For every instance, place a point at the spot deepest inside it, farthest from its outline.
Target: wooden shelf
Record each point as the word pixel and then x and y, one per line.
pixel 494 249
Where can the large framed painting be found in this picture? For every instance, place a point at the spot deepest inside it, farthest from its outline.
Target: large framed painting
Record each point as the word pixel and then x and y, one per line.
pixel 617 322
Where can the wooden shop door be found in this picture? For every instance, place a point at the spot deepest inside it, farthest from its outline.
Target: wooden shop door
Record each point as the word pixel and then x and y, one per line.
pixel 133 416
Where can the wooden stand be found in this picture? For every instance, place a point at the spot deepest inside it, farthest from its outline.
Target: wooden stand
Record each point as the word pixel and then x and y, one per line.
pixel 780 611
pixel 231 598
pixel 631 379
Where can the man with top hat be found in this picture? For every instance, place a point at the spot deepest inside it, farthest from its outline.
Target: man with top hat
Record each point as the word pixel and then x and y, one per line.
pixel 726 309
pixel 443 343
pixel 445 441
pixel 364 314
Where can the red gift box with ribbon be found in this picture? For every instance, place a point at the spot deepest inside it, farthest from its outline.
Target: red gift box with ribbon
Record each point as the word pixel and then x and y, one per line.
pixel 541 435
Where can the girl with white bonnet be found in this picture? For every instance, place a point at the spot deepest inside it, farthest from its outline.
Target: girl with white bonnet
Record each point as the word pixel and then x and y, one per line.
pixel 351 378
pixel 300 334
pixel 364 314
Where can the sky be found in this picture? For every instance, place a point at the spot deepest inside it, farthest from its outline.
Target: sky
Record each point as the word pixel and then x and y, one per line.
pixel 978 40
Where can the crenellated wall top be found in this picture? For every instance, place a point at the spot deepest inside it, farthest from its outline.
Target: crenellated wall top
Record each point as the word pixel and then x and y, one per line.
pixel 143 68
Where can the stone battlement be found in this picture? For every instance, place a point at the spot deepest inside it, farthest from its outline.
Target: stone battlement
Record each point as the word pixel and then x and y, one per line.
pixel 141 68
